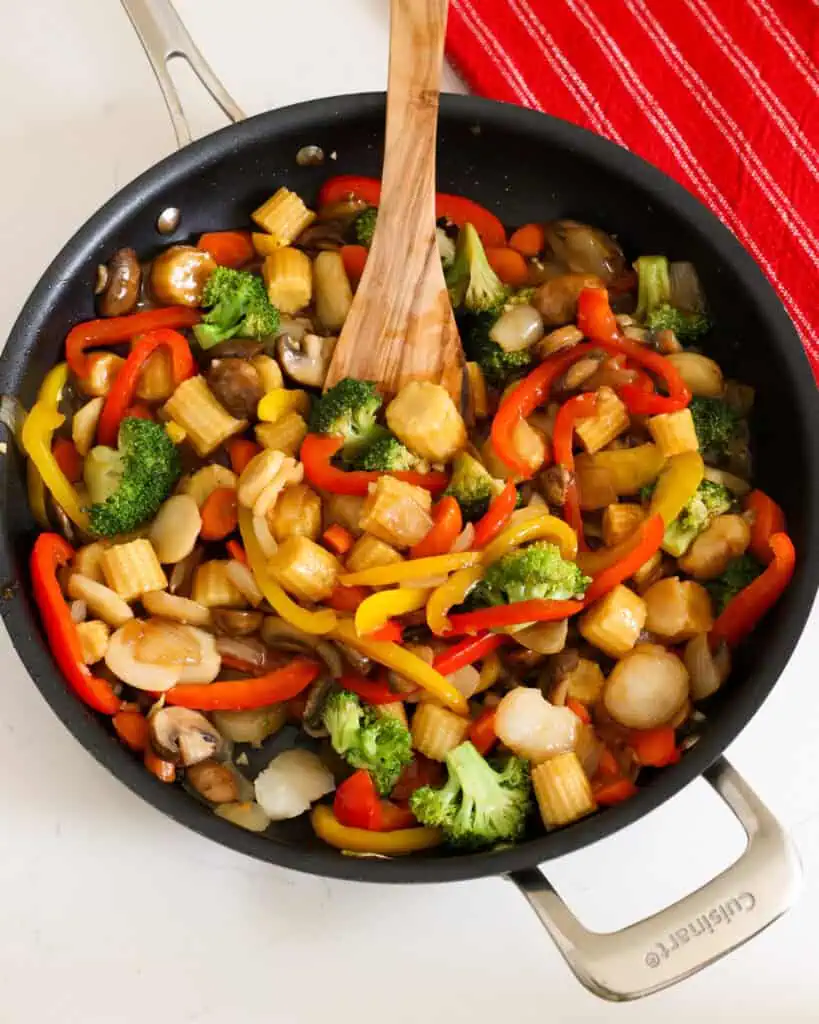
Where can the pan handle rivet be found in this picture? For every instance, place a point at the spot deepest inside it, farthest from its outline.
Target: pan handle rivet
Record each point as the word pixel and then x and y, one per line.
pixel 168 221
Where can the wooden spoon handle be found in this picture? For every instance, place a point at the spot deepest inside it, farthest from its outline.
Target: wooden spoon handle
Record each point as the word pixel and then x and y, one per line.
pixel 417 30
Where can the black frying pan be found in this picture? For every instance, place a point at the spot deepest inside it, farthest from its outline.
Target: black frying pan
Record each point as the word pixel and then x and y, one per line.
pixel 525 166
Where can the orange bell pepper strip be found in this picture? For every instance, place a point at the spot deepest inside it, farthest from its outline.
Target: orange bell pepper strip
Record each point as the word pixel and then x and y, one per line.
pixel 626 558
pixel 50 553
pixel 114 330
pixel 576 408
pixel 318 449
pixel 768 520
pixel 522 401
pixel 122 392
pixel 579 709
pixel 745 610
pixel 338 539
pixel 347 599
pixel 242 694
pixel 496 517
pixel 447 523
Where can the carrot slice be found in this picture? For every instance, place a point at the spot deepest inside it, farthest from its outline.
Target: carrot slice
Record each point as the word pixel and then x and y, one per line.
pixel 509 265
pixel 220 515
pixel 240 452
pixel 529 240
pixel 338 539
pixel 229 248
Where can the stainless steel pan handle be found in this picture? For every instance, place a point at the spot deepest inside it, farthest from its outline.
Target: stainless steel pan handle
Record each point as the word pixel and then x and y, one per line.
pixel 682 939
pixel 163 36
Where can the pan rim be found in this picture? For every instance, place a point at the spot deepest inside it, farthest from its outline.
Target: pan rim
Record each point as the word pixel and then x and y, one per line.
pixel 460 867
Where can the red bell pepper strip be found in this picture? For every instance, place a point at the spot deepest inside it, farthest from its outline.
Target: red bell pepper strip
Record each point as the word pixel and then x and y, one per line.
pixel 126 382
pixel 466 652
pixel 51 552
pixel 613 791
pixel 455 208
pixel 482 733
pixel 524 399
pixel 318 449
pixel 576 408
pixel 655 747
pixel 631 555
pixel 447 523
pixel 746 609
pixel 373 691
pixel 357 805
pixel 513 614
pixel 496 517
pixel 68 459
pixel 768 520
pixel 242 694
pixel 579 709
pixel 114 330
pixel 390 633
pixel 597 321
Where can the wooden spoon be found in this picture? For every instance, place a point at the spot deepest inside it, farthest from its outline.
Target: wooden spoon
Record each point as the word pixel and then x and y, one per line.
pixel 400 326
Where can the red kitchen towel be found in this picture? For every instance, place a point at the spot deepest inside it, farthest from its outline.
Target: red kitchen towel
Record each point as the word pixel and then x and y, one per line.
pixel 723 95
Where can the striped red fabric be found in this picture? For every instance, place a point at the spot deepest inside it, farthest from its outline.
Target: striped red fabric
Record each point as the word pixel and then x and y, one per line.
pixel 723 95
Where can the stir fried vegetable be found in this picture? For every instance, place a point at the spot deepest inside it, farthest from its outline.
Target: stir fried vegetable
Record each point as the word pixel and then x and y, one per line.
pixel 559 576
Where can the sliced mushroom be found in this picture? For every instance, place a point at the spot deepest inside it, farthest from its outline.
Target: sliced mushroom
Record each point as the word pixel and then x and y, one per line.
pixel 123 282
pixel 237 385
pixel 179 274
pixel 312 721
pixel 183 736
pixel 307 360
pixel 236 623
pixel 214 781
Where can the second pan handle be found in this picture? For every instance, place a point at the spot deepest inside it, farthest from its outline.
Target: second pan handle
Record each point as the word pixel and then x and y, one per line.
pixel 163 36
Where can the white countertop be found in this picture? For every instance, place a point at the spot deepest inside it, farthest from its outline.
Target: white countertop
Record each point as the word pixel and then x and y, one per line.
pixel 115 914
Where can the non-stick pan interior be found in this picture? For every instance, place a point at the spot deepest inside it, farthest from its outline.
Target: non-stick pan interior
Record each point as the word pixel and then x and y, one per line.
pixel 525 167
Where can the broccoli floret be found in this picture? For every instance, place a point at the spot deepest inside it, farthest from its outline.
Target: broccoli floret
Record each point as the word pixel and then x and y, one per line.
pixel 537 571
pixel 237 305
pixel 478 806
pixel 365 226
pixel 472 283
pixel 709 501
pixel 348 409
pixel 716 425
pixel 384 454
pixel 498 366
pixel 522 297
pixel 472 486
pixel 738 574
pixel 366 739
pixel 128 485
pixel 654 306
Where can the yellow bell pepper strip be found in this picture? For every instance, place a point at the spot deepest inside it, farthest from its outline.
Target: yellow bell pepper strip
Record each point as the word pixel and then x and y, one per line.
pixel 676 486
pixel 448 595
pixel 629 469
pixel 279 402
pixel 405 663
pixel 36 495
pixel 541 528
pixel 414 569
pixel 375 611
pixel 397 843
pixel 317 623
pixel 38 431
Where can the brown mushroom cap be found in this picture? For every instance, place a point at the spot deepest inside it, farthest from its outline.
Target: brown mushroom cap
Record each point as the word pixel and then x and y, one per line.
pixel 123 281
pixel 237 385
pixel 183 736
pixel 214 781
pixel 305 360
